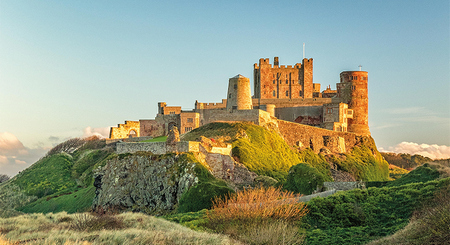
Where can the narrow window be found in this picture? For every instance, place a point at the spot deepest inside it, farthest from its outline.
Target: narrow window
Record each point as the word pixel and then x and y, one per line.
pixel 273 93
pixel 235 86
pixel 287 93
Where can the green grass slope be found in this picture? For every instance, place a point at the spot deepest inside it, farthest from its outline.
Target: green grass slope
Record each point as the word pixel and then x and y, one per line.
pixel 60 181
pixel 265 152
pixel 261 150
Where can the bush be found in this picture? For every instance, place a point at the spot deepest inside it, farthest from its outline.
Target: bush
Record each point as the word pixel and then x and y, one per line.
pixel 88 222
pixel 258 216
pixel 200 196
pixel 304 179
pixel 317 161
pixel 422 173
pixel 3 178
pixel 257 204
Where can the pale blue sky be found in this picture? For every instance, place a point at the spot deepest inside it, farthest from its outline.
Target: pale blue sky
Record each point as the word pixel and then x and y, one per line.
pixel 69 65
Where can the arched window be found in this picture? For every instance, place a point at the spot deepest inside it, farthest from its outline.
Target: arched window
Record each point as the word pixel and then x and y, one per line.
pixel 132 133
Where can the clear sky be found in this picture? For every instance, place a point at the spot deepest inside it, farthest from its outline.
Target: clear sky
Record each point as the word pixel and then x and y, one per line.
pixel 73 68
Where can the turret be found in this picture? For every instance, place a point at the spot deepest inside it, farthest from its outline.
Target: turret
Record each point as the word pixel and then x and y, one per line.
pixel 239 94
pixel 353 91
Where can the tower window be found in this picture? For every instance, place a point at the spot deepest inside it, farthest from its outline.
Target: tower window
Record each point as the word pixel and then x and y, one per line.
pixel 235 86
pixel 287 93
pixel 273 93
pixel 229 96
pixel 273 81
pixel 286 81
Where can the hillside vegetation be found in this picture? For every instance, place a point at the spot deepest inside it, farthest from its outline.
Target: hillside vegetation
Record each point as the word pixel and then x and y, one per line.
pixel 360 216
pixel 404 160
pixel 60 181
pixel 265 152
pixel 85 228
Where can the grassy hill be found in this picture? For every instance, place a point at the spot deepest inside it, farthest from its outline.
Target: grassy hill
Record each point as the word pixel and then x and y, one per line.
pixel 60 181
pixel 417 207
pixel 265 152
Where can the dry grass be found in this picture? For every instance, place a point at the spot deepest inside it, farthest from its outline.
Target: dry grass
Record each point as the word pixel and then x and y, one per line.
pixel 442 167
pixel 259 203
pixel 126 228
pixel 259 216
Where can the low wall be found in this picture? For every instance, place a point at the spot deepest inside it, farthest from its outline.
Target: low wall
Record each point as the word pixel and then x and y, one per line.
pixel 344 186
pixel 158 147
pixel 304 136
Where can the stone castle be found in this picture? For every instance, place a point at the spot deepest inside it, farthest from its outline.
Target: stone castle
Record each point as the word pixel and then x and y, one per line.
pixel 281 92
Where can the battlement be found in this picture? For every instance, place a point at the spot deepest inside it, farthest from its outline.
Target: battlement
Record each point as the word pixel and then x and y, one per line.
pixel 220 105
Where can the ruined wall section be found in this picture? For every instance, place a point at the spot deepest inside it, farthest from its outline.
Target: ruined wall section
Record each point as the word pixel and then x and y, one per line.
pixel 256 116
pixel 303 136
pixel 128 129
pixel 158 147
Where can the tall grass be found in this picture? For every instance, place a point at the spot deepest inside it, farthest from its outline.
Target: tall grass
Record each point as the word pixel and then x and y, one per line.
pixel 126 228
pixel 259 203
pixel 259 216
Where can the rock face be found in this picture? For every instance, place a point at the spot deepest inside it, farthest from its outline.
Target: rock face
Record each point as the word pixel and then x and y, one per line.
pixel 143 182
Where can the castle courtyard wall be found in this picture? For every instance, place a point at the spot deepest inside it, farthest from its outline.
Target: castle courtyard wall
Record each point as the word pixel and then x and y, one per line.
pixel 303 136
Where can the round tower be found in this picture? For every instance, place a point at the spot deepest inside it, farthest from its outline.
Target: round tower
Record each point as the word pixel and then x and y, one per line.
pixel 239 94
pixel 353 91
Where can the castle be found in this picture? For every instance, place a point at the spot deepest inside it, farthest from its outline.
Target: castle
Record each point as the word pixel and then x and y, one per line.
pixel 280 92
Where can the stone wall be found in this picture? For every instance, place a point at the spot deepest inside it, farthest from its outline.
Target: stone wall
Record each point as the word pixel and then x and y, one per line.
pixel 151 128
pixel 304 136
pixel 158 147
pixel 344 186
pixel 129 128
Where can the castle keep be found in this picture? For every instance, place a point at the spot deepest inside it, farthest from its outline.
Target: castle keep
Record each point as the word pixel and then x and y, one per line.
pixel 280 92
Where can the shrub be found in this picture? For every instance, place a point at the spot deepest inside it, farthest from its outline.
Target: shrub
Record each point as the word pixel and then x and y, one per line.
pixel 257 204
pixel 422 173
pixel 258 216
pixel 3 178
pixel 317 161
pixel 304 179
pixel 200 196
pixel 88 222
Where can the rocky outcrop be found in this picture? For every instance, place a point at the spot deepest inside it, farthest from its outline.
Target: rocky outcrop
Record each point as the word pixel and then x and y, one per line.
pixel 143 182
